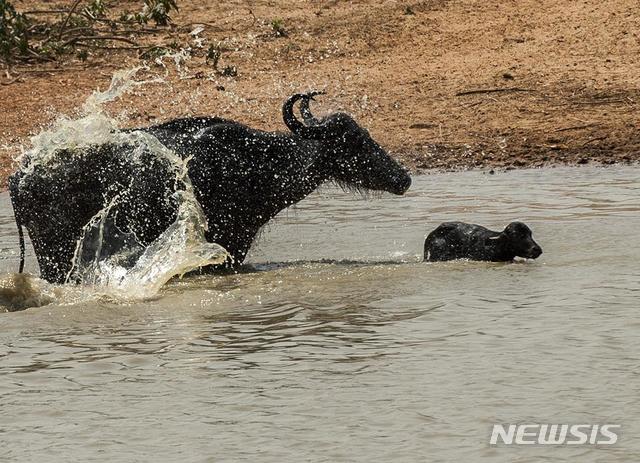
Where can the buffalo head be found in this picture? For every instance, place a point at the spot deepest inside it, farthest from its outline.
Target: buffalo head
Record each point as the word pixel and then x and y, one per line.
pixel 519 239
pixel 352 158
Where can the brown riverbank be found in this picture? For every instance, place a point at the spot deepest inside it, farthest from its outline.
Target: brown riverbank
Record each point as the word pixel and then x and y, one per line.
pixel 448 85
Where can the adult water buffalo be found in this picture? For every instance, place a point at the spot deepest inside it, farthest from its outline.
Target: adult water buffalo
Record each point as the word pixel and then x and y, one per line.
pixel 458 240
pixel 242 177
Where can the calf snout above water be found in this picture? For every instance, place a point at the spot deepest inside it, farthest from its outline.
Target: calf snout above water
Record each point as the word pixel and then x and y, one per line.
pixel 458 240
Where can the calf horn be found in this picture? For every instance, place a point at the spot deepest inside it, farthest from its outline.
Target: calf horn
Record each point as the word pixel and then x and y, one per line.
pixel 297 127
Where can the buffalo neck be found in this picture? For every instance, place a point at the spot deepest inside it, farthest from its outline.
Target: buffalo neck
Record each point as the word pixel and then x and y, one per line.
pixel 502 249
pixel 288 173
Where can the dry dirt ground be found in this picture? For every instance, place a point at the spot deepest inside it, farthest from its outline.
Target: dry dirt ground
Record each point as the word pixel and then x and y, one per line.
pixel 441 84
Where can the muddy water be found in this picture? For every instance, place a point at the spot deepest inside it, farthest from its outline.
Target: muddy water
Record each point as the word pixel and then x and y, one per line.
pixel 368 356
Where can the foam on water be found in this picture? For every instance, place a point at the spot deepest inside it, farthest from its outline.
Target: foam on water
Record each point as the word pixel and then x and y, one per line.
pixel 20 290
pixel 133 271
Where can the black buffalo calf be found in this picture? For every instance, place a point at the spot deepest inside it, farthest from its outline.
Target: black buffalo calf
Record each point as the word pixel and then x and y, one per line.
pixel 458 240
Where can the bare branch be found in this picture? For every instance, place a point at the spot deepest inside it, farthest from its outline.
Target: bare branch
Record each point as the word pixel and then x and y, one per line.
pixel 494 90
pixel 66 20
pixel 97 37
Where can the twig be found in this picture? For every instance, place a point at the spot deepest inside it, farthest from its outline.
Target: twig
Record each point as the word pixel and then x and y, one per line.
pixel 592 140
pixel 37 26
pixel 576 127
pixel 45 12
pixel 38 56
pixel 596 102
pixel 66 19
pixel 110 21
pixel 10 81
pixel 77 29
pixel 98 37
pixel 102 47
pixel 41 71
pixel 68 32
pixel 470 105
pixel 494 90
pixel 422 125
pixel 147 30
pixel 144 30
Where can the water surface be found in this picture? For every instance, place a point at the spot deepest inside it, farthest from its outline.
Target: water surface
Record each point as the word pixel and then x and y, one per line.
pixel 341 345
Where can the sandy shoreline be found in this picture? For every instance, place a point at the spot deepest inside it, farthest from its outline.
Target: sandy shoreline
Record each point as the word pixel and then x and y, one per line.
pixel 442 85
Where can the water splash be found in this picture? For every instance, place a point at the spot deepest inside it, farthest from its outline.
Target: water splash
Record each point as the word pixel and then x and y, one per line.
pixel 19 291
pixel 181 248
pixel 93 126
pixel 129 270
